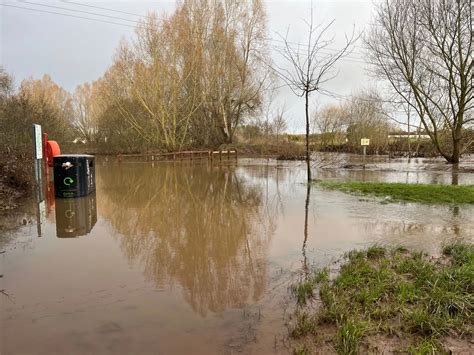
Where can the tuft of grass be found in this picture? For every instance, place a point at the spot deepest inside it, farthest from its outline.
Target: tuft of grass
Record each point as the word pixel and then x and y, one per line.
pixel 349 335
pixel 425 346
pixel 395 292
pixel 460 252
pixel 305 324
pixel 375 251
pixel 423 193
pixel 406 293
pixel 302 350
pixel 419 321
pixel 400 250
pixel 321 276
pixel 304 290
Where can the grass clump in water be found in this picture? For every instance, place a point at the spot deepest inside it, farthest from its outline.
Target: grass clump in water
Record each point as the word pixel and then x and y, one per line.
pixel 304 290
pixel 389 292
pixel 423 193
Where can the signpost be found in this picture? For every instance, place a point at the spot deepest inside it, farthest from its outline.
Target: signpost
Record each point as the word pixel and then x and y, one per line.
pixel 38 156
pixel 38 149
pixel 38 141
pixel 364 142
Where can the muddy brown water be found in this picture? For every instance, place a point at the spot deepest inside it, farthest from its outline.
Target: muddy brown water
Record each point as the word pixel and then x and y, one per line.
pixel 193 258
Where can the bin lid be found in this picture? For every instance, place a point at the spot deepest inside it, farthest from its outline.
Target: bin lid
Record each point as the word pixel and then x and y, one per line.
pixel 74 156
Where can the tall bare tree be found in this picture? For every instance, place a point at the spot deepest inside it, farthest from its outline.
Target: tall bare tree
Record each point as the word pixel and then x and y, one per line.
pixel 424 49
pixel 234 77
pixel 329 121
pixel 279 124
pixel 6 84
pixel 157 70
pixel 87 110
pixel 310 66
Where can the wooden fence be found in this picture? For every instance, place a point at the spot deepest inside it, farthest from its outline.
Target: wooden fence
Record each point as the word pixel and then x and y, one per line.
pixel 189 155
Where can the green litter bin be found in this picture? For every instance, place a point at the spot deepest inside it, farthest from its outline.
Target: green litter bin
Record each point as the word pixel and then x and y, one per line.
pixel 74 175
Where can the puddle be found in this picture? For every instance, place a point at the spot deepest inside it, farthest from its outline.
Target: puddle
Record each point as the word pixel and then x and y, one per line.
pixel 195 258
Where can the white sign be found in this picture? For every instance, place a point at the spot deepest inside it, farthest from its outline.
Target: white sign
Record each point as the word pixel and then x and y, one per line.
pixel 38 141
pixel 365 141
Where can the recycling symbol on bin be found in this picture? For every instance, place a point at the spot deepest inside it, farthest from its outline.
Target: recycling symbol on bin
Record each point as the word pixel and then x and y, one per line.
pixel 68 181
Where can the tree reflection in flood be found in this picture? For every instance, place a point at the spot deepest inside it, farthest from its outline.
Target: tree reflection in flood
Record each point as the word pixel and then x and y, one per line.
pixel 202 227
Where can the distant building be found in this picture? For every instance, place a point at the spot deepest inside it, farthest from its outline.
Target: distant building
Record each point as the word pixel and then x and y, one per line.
pixel 406 135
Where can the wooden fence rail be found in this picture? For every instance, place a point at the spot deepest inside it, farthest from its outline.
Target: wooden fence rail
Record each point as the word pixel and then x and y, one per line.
pixel 191 154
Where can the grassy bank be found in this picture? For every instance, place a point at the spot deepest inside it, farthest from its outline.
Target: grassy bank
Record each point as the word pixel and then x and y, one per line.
pixel 388 299
pixel 424 193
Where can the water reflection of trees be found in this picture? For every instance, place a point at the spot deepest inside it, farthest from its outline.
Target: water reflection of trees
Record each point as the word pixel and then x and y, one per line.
pixel 201 226
pixel 454 226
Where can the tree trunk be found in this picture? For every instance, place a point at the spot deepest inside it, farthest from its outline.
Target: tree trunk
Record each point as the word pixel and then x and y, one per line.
pixel 455 174
pixel 454 159
pixel 306 212
pixel 308 164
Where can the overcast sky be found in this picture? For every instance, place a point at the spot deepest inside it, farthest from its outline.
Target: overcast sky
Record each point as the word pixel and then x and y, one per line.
pixel 74 50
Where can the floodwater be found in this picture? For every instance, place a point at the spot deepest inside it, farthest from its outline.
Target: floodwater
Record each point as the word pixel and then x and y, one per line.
pixel 194 258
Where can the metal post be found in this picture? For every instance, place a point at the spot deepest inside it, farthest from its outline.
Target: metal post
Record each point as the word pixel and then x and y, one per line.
pixel 38 155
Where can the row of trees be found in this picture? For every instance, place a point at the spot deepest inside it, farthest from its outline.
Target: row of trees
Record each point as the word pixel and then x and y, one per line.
pixel 183 81
pixel 424 50
pixel 36 101
pixel 194 78
pixel 363 116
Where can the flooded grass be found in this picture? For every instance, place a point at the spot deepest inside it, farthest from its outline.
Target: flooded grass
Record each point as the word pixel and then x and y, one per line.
pixel 424 193
pixel 395 293
pixel 304 289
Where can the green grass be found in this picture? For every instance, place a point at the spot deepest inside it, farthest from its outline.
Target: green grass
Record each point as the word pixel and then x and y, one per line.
pixel 423 193
pixel 426 346
pixel 348 336
pixel 393 292
pixel 303 290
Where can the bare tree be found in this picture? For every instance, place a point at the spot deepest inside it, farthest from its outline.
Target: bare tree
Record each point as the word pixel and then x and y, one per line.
pixel 190 79
pixel 6 84
pixel 158 70
pixel 86 111
pixel 235 78
pixel 367 118
pixel 279 124
pixel 329 121
pixel 311 66
pixel 424 49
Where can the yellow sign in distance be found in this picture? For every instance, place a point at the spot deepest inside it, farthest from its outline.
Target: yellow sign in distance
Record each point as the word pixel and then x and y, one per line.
pixel 365 141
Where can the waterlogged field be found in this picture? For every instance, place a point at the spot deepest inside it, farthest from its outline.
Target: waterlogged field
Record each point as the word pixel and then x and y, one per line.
pixel 189 257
